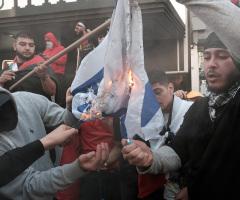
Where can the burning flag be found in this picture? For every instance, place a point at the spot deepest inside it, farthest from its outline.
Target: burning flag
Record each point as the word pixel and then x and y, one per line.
pixel 112 81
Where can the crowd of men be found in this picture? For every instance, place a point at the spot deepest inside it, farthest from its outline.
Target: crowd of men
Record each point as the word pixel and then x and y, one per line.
pixel 197 156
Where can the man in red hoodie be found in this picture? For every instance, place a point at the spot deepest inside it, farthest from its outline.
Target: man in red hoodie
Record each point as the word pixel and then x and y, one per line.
pixel 58 66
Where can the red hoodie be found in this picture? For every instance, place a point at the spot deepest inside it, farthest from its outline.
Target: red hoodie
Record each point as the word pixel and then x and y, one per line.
pixel 58 65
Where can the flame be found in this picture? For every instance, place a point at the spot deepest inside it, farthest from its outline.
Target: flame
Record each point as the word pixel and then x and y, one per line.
pixel 85 116
pixel 93 112
pixel 130 79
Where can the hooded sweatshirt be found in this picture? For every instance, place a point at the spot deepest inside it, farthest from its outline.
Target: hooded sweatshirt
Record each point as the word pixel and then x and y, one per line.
pixel 41 180
pixel 15 161
pixel 59 64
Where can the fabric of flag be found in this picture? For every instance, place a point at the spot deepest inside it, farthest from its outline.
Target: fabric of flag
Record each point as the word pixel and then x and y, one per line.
pixel 84 87
pixel 112 81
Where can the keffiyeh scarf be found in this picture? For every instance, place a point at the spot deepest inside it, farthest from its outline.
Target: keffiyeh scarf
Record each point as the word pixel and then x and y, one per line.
pixel 216 100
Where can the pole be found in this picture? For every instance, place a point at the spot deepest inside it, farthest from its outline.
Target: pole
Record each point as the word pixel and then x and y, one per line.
pixel 68 49
pixel 78 59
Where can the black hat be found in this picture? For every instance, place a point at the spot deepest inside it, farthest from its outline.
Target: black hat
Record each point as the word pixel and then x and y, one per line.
pixel 4 98
pixel 8 111
pixel 213 41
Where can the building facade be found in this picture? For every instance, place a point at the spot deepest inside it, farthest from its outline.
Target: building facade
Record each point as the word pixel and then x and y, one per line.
pixel 164 33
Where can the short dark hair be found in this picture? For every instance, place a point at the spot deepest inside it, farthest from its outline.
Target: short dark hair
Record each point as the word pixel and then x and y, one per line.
pixel 24 35
pixel 158 76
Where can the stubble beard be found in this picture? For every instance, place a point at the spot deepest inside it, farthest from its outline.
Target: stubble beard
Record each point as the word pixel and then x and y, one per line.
pixel 232 79
pixel 79 34
pixel 24 57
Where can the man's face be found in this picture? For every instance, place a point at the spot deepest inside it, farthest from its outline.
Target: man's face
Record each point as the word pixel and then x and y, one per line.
pixel 47 40
pixel 79 31
pixel 164 95
pixel 25 48
pixel 219 69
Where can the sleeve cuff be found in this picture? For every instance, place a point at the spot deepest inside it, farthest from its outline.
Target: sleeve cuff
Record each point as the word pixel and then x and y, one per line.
pixel 150 169
pixel 73 171
pixel 70 120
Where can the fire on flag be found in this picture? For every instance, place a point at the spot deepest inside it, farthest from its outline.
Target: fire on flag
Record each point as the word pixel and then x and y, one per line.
pixel 112 81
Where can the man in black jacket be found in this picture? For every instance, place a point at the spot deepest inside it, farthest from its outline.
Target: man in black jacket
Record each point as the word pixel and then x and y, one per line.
pixel 209 136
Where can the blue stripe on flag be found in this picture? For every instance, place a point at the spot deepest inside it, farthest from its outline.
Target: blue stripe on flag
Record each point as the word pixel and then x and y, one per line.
pixel 150 105
pixel 91 82
pixel 83 107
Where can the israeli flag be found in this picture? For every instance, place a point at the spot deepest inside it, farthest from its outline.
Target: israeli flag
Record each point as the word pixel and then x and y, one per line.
pixel 112 81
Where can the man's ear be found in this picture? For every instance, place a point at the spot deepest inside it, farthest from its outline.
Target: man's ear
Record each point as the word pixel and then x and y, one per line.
pixel 14 46
pixel 171 87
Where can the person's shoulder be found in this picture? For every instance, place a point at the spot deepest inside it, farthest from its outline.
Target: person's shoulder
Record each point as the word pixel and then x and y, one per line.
pixel 199 105
pixel 94 40
pixel 202 100
pixel 186 103
pixel 26 96
pixel 183 101
pixel 21 93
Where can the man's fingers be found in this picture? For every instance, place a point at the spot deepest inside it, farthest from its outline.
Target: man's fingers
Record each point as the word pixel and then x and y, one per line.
pixel 105 153
pixel 129 155
pixel 140 160
pixel 69 91
pixel 102 155
pixel 10 73
pixel 124 142
pixel 136 155
pixel 95 160
pixel 87 157
pixel 129 148
pixel 71 131
pixel 137 159
pixel 98 157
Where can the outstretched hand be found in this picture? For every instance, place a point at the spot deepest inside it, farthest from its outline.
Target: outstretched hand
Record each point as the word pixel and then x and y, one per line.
pixel 94 161
pixel 60 136
pixel 137 153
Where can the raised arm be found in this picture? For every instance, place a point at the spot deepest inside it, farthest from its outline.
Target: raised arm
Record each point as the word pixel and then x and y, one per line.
pixel 222 16
pixel 17 160
pixel 159 161
pixel 43 184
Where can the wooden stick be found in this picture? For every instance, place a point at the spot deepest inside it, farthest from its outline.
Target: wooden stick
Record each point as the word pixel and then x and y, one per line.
pixel 68 49
pixel 78 59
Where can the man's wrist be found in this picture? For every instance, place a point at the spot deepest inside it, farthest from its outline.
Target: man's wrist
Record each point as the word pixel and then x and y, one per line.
pixel 45 77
